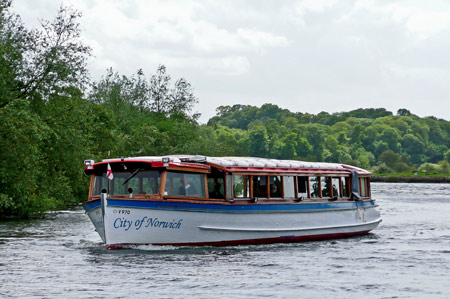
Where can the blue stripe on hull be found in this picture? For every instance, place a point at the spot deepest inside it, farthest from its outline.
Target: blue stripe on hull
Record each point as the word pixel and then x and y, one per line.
pixel 231 208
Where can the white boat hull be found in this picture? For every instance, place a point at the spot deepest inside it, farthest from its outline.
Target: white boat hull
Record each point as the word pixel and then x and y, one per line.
pixel 162 223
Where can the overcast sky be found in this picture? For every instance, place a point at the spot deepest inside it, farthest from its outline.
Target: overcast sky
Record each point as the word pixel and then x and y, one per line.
pixel 306 56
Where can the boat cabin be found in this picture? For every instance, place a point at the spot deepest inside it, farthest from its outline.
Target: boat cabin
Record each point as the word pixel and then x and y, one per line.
pixel 226 179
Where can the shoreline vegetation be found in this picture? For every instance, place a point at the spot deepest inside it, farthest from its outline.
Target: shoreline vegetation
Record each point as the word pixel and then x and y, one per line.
pixel 53 116
pixel 410 178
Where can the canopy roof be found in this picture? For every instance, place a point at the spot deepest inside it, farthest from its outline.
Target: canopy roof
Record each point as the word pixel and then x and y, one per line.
pixel 240 163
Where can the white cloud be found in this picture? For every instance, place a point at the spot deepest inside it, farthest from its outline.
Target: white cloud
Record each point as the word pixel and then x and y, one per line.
pixel 308 55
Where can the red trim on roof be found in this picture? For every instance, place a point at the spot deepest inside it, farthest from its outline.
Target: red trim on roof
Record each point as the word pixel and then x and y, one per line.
pixel 156 163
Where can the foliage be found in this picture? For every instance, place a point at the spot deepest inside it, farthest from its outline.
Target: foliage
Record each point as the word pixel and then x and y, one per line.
pixel 369 138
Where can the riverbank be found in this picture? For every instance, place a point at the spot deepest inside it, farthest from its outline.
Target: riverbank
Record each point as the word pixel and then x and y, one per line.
pixel 409 178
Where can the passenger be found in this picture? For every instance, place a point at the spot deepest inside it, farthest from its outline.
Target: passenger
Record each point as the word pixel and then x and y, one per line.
pixel 190 189
pixel 274 191
pixel 216 192
pixel 182 188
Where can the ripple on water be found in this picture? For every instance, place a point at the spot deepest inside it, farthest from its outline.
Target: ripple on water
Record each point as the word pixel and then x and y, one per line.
pixel 406 257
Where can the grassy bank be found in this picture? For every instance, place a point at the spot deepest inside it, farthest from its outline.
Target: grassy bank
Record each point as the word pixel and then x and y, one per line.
pixel 410 178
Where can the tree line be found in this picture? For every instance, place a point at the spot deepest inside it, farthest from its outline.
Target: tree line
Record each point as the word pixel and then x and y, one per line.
pixel 53 117
pixel 375 139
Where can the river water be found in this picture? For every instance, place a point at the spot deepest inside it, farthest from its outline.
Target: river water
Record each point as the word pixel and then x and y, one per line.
pixel 408 256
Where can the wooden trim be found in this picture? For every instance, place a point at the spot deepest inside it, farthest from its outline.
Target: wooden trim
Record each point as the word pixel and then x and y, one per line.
pixel 251 186
pixel 188 197
pixel 246 186
pixel 359 183
pixel 187 169
pixel 232 186
pixel 330 185
pixel 205 180
pixel 295 187
pixel 308 189
pixel 162 185
pixel 246 201
pixel 320 185
pixel 91 185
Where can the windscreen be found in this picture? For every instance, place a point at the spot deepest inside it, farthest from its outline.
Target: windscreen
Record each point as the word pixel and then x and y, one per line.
pixel 140 181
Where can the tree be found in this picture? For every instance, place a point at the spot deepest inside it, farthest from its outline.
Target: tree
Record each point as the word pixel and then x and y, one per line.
pixel 403 112
pixel 394 161
pixel 12 39
pixel 42 73
pixel 45 61
pixel 20 173
pixel 413 147
pixel 258 141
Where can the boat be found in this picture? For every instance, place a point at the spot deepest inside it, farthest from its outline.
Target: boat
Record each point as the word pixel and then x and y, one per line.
pixel 188 200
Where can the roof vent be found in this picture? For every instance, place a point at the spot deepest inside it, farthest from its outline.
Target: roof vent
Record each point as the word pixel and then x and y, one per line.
pixel 195 159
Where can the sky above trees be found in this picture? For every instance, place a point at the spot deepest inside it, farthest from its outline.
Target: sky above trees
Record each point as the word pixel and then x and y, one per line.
pixel 306 56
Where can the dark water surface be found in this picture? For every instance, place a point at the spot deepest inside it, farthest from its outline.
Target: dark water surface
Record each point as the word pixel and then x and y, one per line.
pixel 408 256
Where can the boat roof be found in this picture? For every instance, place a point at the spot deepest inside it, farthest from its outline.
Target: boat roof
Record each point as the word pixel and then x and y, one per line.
pixel 241 164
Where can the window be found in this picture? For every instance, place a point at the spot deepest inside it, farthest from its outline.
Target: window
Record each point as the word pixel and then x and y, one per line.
pixel 363 187
pixel 314 186
pixel 185 184
pixel 142 182
pixel 325 183
pixel 289 187
pixel 216 187
pixel 241 186
pixel 99 184
pixel 345 187
pixel 260 186
pixel 336 188
pixel 302 185
pixel 275 187
pixel 364 183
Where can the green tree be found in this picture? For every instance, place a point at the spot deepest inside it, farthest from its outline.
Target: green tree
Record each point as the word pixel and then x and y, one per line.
pixel 45 61
pixel 258 141
pixel 413 147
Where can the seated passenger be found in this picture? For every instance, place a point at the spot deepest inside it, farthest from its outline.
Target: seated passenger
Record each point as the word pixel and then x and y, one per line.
pixel 216 192
pixel 274 191
pixel 190 189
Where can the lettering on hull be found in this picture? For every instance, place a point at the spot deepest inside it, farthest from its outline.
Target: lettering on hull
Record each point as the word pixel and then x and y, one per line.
pixel 122 223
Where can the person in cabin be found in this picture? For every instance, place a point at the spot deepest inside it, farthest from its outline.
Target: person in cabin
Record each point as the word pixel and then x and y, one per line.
pixel 190 189
pixel 216 192
pixel 273 190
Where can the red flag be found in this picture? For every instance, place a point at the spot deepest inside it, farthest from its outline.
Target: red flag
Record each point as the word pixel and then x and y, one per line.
pixel 109 173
